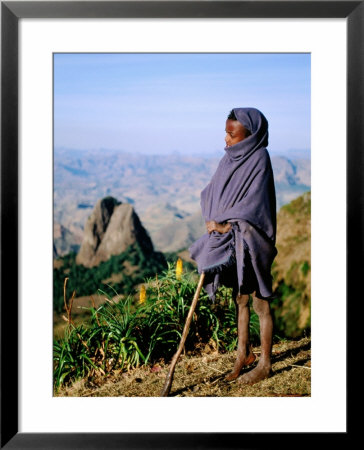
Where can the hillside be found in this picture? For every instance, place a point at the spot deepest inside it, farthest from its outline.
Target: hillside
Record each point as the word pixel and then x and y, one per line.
pixel 203 376
pixel 148 328
pixel 291 269
pixel 292 266
pixel 163 189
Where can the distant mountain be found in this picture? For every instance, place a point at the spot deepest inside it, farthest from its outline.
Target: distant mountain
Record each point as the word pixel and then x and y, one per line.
pixel 163 189
pixel 293 153
pixel 179 234
pixel 66 240
pixel 292 177
pixel 109 231
pixel 163 212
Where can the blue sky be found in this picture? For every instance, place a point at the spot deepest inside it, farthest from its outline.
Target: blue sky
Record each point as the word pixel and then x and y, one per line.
pixel 161 103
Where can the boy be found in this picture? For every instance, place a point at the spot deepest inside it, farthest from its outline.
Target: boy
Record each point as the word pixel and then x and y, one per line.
pixel 239 208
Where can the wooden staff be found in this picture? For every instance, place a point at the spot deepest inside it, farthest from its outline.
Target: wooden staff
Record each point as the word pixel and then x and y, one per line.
pixel 168 383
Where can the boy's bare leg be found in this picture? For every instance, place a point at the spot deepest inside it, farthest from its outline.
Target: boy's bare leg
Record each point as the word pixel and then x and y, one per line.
pixel 244 354
pixel 263 368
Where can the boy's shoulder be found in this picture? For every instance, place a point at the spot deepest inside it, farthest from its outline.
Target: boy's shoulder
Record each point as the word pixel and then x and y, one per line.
pixel 263 154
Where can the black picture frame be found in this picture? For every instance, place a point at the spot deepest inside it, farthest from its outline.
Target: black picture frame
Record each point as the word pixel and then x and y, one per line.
pixel 11 12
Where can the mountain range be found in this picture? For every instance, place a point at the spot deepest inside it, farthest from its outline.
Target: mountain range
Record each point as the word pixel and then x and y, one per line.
pixel 164 191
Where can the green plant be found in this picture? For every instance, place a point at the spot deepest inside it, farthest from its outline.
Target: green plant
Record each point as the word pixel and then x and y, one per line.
pixel 124 334
pixel 305 267
pixel 86 281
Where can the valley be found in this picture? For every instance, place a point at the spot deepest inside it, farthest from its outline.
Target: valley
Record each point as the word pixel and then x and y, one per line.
pixel 164 190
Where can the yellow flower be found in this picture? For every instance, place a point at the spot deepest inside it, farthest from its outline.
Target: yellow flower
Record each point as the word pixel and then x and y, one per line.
pixel 142 294
pixel 179 268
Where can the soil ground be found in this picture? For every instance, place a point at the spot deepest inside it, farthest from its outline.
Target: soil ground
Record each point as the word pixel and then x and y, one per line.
pixel 204 376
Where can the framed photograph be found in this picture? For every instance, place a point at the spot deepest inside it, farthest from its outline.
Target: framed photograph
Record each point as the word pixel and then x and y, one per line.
pixel 34 37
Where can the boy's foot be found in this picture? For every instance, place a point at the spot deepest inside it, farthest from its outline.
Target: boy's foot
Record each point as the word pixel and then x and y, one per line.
pixel 259 373
pixel 239 364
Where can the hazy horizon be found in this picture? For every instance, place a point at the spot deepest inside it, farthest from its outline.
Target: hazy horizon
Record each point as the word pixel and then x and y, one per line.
pixel 294 153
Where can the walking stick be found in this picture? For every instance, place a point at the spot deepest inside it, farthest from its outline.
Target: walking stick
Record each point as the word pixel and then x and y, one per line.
pixel 169 379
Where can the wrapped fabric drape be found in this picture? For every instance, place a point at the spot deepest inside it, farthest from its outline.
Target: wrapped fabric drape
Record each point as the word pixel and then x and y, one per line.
pixel 240 192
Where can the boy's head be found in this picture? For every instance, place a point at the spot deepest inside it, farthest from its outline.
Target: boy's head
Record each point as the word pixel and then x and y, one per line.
pixel 235 131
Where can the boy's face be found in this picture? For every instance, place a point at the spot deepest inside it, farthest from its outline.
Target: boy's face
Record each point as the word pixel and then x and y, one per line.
pixel 235 132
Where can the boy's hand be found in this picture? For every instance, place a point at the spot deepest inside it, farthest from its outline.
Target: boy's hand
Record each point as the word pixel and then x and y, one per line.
pixel 219 227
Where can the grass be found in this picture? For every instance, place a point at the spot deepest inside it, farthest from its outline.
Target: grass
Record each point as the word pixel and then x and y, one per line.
pixel 123 335
pixel 203 375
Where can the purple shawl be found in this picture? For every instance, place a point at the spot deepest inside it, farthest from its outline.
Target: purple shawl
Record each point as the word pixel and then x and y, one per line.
pixel 241 192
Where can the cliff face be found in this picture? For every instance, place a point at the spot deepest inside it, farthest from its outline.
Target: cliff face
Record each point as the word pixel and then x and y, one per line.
pixel 109 230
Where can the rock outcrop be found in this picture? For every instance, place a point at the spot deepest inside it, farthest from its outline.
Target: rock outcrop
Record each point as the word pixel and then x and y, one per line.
pixel 112 227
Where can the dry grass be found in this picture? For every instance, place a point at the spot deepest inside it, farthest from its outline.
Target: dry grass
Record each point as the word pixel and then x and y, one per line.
pixel 203 376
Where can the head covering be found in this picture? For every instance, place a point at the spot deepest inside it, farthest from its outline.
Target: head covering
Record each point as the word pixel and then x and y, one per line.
pixel 242 192
pixel 254 121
